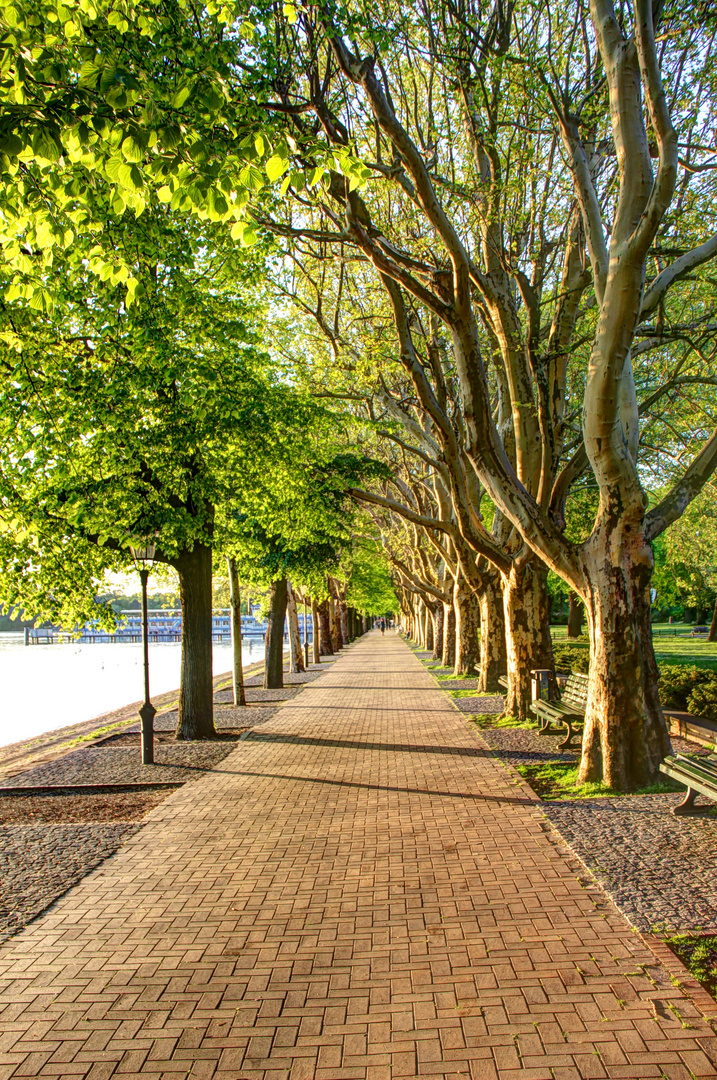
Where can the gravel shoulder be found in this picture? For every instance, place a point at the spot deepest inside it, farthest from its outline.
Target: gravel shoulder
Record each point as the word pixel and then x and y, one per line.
pixel 59 807
pixel 122 765
pixel 50 841
pixel 38 863
pixel 485 704
pixel 660 870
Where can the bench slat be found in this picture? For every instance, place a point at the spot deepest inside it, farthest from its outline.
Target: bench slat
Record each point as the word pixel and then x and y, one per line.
pixel 705 787
pixel 696 768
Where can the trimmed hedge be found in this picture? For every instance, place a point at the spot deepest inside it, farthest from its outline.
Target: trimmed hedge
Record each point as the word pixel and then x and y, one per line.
pixel 570 659
pixel 689 689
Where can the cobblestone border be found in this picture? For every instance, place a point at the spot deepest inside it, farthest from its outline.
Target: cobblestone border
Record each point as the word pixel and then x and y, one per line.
pixel 696 992
pixel 686 982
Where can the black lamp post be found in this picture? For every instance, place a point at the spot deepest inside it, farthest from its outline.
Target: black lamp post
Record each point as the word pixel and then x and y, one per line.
pixel 143 560
pixel 306 639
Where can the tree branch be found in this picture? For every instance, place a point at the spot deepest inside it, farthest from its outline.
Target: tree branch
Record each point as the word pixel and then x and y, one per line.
pixel 677 270
pixel 684 491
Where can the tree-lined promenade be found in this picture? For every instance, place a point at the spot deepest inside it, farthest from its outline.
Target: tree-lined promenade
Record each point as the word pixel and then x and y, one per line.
pixel 404 308
pixel 359 890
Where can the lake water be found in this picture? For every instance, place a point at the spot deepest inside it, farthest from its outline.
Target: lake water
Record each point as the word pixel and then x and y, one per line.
pixel 44 687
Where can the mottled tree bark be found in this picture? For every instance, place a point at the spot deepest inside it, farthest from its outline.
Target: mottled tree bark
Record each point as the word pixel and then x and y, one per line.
pixel 430 640
pixel 274 660
pixel 296 653
pixel 625 734
pixel 196 693
pixel 448 654
pixel 326 647
pixel 334 627
pixel 467 608
pixel 527 631
pixel 437 614
pixel 493 657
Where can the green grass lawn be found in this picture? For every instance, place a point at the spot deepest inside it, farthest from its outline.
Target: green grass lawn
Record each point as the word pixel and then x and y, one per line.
pixel 559 780
pixel 699 955
pixel 682 649
pixel 491 720
pixel 688 651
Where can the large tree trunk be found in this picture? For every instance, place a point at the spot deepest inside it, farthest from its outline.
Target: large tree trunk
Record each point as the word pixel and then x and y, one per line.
pixel 437 614
pixel 326 647
pixel 296 654
pixel 196 692
pixel 467 609
pixel 274 661
pixel 712 636
pixel 527 631
pixel 334 627
pixel 344 622
pixel 235 602
pixel 429 628
pixel 625 734
pixel 315 653
pixel 448 654
pixel 575 617
pixel 493 657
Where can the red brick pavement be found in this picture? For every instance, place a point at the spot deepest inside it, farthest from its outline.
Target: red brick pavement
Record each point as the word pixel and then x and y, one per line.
pixel 358 891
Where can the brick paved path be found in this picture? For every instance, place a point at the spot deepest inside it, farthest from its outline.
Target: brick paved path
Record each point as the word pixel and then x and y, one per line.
pixel 358 891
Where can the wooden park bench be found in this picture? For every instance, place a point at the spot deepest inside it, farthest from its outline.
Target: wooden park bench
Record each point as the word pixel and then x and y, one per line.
pixel 699 775
pixel 568 711
pixel 697 728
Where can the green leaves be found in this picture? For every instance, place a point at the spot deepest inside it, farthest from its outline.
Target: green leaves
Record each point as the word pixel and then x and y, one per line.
pixel 10 143
pixel 245 233
pixel 46 144
pixel 133 148
pixel 182 95
pixel 276 166
pixel 352 168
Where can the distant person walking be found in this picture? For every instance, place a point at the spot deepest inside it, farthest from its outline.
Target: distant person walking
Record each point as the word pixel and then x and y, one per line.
pixel 382 624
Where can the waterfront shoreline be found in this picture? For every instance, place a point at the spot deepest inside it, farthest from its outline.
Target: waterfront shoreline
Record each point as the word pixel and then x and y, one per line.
pixel 36 750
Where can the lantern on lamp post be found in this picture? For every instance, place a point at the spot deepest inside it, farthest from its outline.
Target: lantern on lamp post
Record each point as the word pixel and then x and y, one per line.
pixel 143 559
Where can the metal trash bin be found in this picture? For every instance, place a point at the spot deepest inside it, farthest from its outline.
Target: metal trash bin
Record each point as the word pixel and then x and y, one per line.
pixel 541 684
